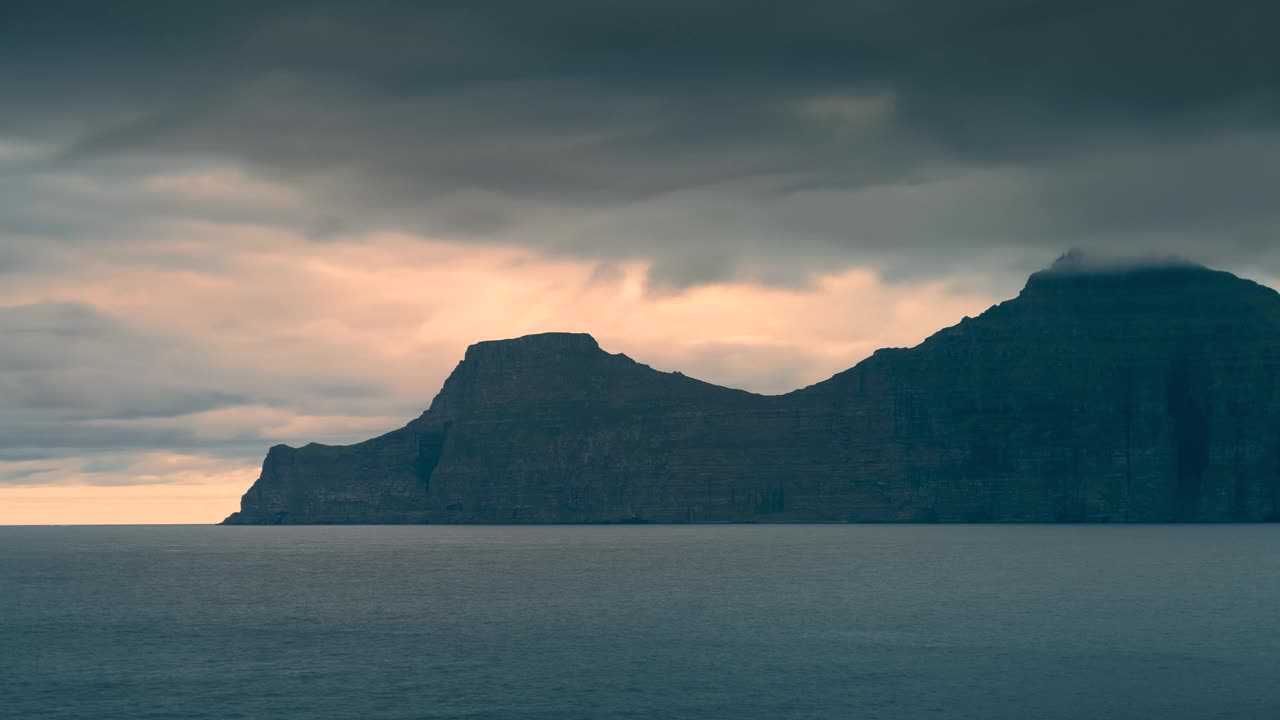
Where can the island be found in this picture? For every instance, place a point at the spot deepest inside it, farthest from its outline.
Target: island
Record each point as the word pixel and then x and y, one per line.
pixel 1145 392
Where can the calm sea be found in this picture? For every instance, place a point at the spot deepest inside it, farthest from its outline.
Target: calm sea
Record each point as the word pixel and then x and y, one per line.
pixel 850 621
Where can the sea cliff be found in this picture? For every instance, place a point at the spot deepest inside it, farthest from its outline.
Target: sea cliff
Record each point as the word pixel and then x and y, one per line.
pixel 1145 393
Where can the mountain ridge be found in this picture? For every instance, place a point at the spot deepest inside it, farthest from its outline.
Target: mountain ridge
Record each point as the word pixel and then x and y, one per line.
pixel 1126 393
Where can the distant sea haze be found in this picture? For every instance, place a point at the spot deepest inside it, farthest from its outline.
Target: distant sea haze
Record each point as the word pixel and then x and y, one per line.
pixel 699 622
pixel 1105 392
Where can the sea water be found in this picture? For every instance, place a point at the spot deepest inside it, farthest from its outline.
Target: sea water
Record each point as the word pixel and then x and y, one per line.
pixel 696 621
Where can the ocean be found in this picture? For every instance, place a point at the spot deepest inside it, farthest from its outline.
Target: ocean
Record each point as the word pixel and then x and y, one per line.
pixel 640 621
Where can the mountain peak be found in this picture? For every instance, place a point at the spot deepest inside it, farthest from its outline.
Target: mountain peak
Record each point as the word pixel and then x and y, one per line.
pixel 1081 262
pixel 537 345
pixel 1079 272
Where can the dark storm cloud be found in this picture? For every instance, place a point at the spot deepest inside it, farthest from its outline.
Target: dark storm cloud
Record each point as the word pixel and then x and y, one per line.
pixel 703 123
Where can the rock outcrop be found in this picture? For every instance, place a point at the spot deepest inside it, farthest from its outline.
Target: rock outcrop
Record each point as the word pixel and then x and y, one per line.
pixel 1101 393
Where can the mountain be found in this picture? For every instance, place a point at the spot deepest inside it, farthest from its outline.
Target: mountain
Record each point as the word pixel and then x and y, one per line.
pixel 1103 392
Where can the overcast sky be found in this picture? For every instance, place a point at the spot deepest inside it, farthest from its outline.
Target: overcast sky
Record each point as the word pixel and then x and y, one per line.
pixel 228 225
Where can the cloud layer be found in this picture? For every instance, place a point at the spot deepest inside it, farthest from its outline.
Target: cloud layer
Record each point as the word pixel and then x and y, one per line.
pixel 722 142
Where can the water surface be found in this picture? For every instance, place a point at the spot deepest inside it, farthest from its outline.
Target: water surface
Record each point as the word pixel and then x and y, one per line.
pixel 793 621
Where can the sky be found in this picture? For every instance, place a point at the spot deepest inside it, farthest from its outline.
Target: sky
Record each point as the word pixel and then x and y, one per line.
pixel 225 226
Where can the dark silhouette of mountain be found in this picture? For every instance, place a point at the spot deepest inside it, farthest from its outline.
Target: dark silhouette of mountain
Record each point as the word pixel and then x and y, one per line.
pixel 1103 392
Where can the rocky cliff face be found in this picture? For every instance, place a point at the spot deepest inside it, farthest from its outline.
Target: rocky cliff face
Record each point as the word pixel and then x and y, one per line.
pixel 1141 394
